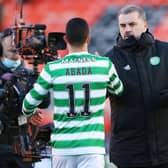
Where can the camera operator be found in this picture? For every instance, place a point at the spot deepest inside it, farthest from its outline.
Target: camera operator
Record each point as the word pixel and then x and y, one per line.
pixel 10 62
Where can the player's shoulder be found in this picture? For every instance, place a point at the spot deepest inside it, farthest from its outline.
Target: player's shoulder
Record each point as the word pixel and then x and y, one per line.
pixel 54 62
pixel 99 57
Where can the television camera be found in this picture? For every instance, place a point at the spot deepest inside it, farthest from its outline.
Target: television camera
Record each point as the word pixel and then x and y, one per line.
pixel 31 41
pixel 28 141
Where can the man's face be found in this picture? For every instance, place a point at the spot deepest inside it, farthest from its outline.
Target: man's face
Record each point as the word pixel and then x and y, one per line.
pixel 9 50
pixel 131 24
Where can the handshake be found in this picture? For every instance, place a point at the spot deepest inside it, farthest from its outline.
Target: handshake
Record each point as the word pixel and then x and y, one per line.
pixel 41 117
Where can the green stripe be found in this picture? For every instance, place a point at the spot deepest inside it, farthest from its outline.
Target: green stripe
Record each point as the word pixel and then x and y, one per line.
pixel 86 128
pixel 110 63
pixel 28 112
pixel 54 62
pixel 78 143
pixel 58 72
pixel 36 94
pixel 28 105
pixel 78 102
pixel 43 83
pixel 78 86
pixel 112 78
pixel 114 92
pixel 117 85
pixel 65 118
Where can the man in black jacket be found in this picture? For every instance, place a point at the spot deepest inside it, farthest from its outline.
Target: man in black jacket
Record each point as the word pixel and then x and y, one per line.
pixel 10 65
pixel 139 135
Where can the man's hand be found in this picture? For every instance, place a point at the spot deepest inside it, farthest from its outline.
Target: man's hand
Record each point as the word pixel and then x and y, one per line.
pixel 41 117
pixel 36 118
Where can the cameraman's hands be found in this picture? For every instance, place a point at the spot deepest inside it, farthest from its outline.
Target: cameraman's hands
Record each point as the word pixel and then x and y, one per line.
pixel 41 117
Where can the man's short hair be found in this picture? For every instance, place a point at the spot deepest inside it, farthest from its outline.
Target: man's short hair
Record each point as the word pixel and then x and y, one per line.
pixel 77 31
pixel 133 8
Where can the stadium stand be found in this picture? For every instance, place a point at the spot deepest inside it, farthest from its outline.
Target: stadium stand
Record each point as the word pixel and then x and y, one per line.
pixel 161 30
pixel 101 15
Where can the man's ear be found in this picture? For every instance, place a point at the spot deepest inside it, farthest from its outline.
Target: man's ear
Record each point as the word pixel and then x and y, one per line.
pixel 88 39
pixel 65 38
pixel 146 24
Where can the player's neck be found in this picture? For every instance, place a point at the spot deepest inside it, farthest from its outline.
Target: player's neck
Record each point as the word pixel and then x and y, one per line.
pixel 82 48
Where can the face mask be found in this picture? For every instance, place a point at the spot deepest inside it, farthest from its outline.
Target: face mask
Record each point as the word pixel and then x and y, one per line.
pixel 11 63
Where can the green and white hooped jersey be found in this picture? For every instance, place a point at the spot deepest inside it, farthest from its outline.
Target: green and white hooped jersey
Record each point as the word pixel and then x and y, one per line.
pixel 79 83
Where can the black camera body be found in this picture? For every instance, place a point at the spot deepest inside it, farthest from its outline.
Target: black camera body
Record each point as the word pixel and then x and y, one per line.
pixel 31 40
pixel 34 37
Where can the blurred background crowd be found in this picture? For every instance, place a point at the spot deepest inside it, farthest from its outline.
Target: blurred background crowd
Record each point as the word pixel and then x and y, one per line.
pixel 101 15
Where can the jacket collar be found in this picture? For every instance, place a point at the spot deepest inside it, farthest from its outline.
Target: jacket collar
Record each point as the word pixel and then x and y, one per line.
pixel 133 45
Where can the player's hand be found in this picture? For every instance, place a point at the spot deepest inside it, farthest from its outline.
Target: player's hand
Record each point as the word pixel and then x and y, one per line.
pixel 41 117
pixel 36 119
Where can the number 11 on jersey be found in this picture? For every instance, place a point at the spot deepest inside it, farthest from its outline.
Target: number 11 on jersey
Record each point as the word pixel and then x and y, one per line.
pixel 71 91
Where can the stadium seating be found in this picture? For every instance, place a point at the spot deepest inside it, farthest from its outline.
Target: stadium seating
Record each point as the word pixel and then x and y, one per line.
pixel 161 30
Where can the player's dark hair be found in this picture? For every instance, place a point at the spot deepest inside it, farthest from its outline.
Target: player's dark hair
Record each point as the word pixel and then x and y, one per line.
pixel 77 30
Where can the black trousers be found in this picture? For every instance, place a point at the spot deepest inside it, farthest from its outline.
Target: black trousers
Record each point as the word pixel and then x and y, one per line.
pixel 159 166
pixel 9 160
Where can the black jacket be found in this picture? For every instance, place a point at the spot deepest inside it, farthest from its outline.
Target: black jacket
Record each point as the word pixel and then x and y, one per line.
pixel 11 99
pixel 140 116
